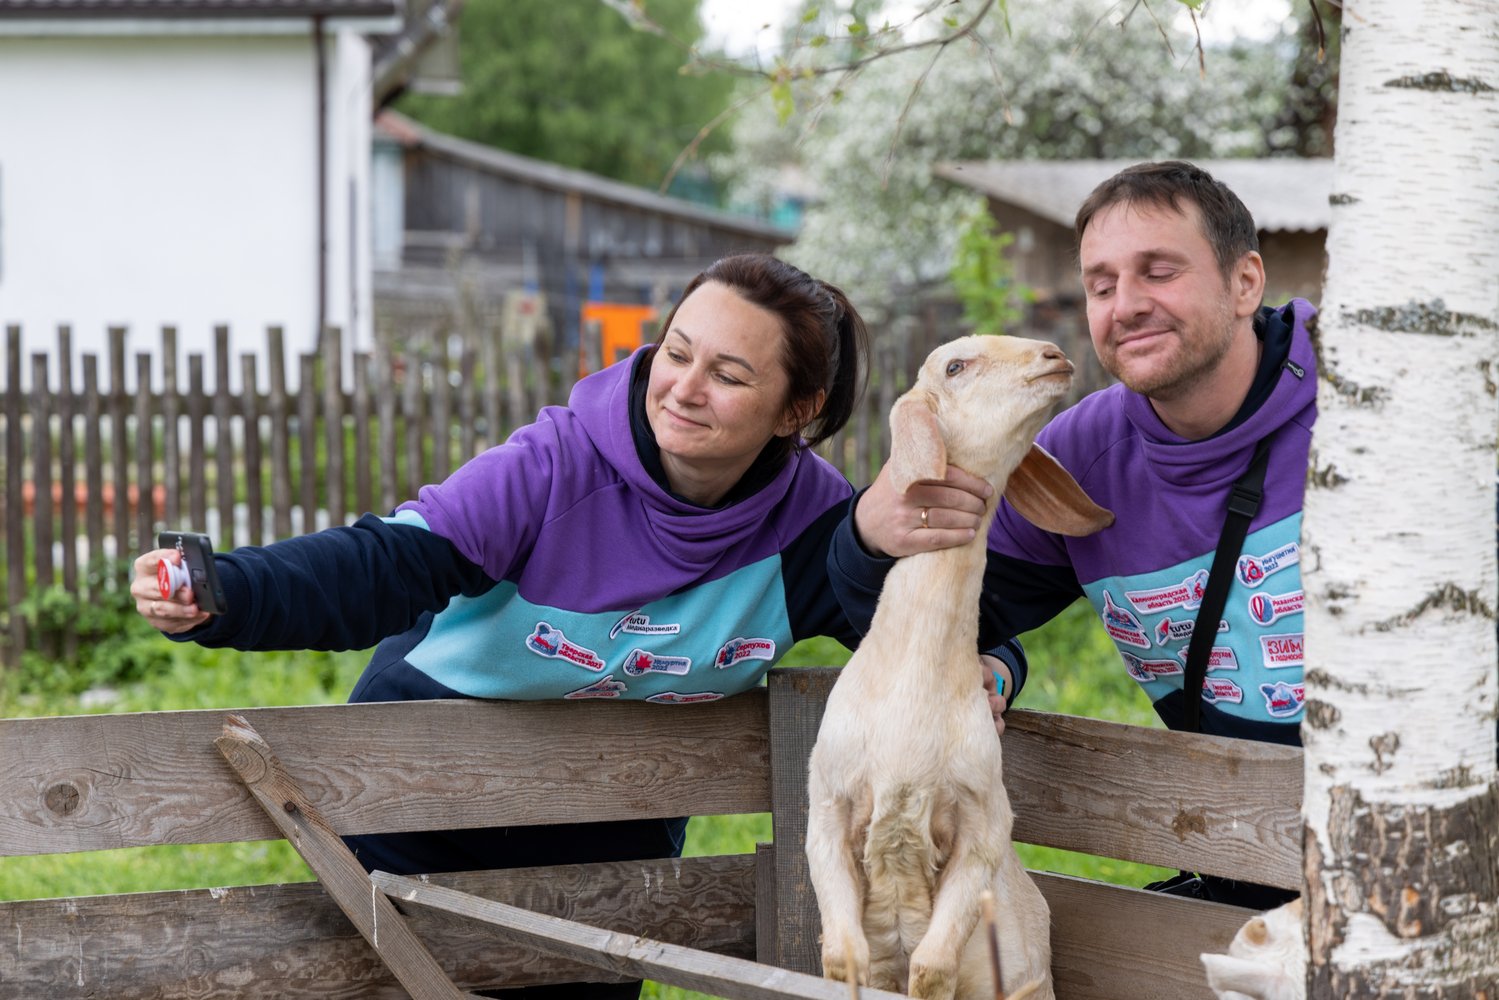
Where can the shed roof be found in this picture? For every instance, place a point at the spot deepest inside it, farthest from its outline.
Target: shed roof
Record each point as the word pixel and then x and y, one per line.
pixel 543 174
pixel 1283 194
pixel 197 9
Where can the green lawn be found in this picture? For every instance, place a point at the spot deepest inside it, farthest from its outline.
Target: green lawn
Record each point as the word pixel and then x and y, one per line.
pixel 1074 670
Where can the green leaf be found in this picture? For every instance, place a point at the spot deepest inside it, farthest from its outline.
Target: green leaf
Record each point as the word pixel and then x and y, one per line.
pixel 818 41
pixel 950 21
pixel 781 99
pixel 856 28
pixel 1194 4
pixel 810 15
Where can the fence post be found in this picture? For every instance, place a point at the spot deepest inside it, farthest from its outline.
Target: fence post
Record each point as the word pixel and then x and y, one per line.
pixel 250 424
pixel 280 433
pixel 41 482
pixel 333 421
pixel 797 697
pixel 67 472
pixel 119 443
pixel 15 534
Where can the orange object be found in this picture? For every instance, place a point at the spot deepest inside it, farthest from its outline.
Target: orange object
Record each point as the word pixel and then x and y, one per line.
pixel 622 326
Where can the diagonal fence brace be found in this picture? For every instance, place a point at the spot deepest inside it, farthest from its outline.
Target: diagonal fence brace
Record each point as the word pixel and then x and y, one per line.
pixel 638 957
pixel 369 910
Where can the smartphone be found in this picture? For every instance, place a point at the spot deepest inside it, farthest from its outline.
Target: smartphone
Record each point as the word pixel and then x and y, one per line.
pixel 197 556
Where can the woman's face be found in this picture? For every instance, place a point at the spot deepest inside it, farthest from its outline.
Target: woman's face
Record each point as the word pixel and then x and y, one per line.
pixel 717 391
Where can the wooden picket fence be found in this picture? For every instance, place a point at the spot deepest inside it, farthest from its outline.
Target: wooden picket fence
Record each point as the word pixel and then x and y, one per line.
pixel 94 466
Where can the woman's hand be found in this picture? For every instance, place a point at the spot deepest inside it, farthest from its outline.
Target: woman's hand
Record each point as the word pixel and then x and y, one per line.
pixel 992 668
pixel 177 613
pixel 932 514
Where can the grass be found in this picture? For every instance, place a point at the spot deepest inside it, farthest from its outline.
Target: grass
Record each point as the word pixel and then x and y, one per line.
pixel 1074 670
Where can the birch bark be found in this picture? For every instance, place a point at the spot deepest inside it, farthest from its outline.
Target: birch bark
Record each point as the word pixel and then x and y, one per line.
pixel 1401 810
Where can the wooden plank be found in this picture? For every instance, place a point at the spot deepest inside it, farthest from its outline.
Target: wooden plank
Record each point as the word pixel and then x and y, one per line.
pixel 1180 800
pixel 118 437
pixel 630 954
pixel 93 462
pixel 385 405
pixel 1109 942
pixel 797 698
pixel 15 528
pixel 145 459
pixel 41 478
pixel 411 410
pixel 280 412
pixel 442 415
pixel 333 422
pixel 254 463
pixel 197 450
pixel 765 903
pixel 223 438
pixel 82 783
pixel 371 913
pixel 171 408
pixel 307 440
pixel 364 459
pixel 291 941
pixel 67 471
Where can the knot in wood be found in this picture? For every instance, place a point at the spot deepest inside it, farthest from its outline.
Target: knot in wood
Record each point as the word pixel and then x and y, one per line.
pixel 63 798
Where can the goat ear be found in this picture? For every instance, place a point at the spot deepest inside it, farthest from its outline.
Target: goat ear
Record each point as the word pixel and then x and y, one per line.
pixel 1239 979
pixel 917 450
pixel 1046 495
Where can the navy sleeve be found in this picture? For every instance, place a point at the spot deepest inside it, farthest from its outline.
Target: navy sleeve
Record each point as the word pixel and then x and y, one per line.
pixel 343 588
pixel 856 577
pixel 811 605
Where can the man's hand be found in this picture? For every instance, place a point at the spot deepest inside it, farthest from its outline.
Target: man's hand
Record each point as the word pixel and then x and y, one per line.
pixel 989 666
pixel 932 514
pixel 177 613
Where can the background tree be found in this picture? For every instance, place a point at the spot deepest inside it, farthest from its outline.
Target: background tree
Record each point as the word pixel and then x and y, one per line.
pixel 1062 82
pixel 573 83
pixel 1401 803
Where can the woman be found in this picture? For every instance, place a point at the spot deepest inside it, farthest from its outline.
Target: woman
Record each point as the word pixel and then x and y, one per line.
pixel 664 535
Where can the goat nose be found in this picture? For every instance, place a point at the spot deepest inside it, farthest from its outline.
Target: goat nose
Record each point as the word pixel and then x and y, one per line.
pixel 1053 353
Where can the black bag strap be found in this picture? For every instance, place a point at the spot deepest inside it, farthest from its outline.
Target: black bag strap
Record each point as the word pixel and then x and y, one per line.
pixel 1243 504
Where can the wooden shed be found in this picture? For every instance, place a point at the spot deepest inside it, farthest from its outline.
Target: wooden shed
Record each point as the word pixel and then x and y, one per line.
pixel 456 219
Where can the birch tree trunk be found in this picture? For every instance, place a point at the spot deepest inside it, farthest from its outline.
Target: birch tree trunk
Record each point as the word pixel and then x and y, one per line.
pixel 1401 810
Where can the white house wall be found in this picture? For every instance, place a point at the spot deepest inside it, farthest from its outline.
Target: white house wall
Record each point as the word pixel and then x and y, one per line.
pixel 172 180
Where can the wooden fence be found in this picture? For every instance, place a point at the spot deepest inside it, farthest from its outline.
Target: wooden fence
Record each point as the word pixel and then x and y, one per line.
pixel 96 462
pixel 97 782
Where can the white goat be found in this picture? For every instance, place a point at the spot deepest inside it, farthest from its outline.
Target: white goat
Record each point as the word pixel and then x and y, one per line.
pixel 1266 959
pixel 909 822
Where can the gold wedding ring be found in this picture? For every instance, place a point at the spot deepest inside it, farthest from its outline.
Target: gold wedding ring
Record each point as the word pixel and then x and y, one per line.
pixel 923 518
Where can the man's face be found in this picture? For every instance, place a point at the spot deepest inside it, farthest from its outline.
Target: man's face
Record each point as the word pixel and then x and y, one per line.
pixel 1160 312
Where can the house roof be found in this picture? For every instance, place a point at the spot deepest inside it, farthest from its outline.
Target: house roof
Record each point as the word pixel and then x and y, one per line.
pixel 198 9
pixel 1283 194
pixel 543 174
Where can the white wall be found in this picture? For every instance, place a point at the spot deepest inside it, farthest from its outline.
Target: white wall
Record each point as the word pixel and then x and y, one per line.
pixel 172 180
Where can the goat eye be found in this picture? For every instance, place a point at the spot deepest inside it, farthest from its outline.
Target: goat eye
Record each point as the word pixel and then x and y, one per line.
pixel 953 367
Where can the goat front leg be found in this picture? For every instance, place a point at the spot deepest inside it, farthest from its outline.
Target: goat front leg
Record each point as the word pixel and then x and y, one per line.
pixel 955 911
pixel 838 884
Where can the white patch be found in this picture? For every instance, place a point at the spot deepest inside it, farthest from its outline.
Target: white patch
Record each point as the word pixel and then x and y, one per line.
pixel 737 650
pixel 1123 627
pixel 1255 570
pixel 549 642
pixel 1145 671
pixel 1267 608
pixel 1187 594
pixel 678 698
pixel 604 687
pixel 641 661
pixel 1283 650
pixel 1216 689
pixel 636 623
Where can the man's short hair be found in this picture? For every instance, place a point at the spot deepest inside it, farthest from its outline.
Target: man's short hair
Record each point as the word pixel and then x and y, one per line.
pixel 1226 223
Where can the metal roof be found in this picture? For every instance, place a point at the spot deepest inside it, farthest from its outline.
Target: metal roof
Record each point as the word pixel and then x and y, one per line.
pixel 198 9
pixel 1283 194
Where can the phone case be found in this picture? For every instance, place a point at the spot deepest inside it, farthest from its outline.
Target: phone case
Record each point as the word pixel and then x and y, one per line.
pixel 197 556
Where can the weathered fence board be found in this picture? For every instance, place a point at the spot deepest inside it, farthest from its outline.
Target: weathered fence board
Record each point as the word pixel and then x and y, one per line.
pixel 272 942
pixel 94 782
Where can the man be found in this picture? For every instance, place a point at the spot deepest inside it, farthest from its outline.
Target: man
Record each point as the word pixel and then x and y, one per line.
pixel 1173 282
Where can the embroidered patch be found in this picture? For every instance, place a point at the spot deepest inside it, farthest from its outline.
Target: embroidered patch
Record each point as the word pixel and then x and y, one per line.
pixel 1255 570
pixel 1220 658
pixel 1121 625
pixel 1282 699
pixel 738 650
pixel 1167 630
pixel 677 698
pixel 1145 671
pixel 1266 608
pixel 1187 594
pixel 636 623
pixel 604 687
pixel 1283 650
pixel 641 662
pixel 551 643
pixel 1216 689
